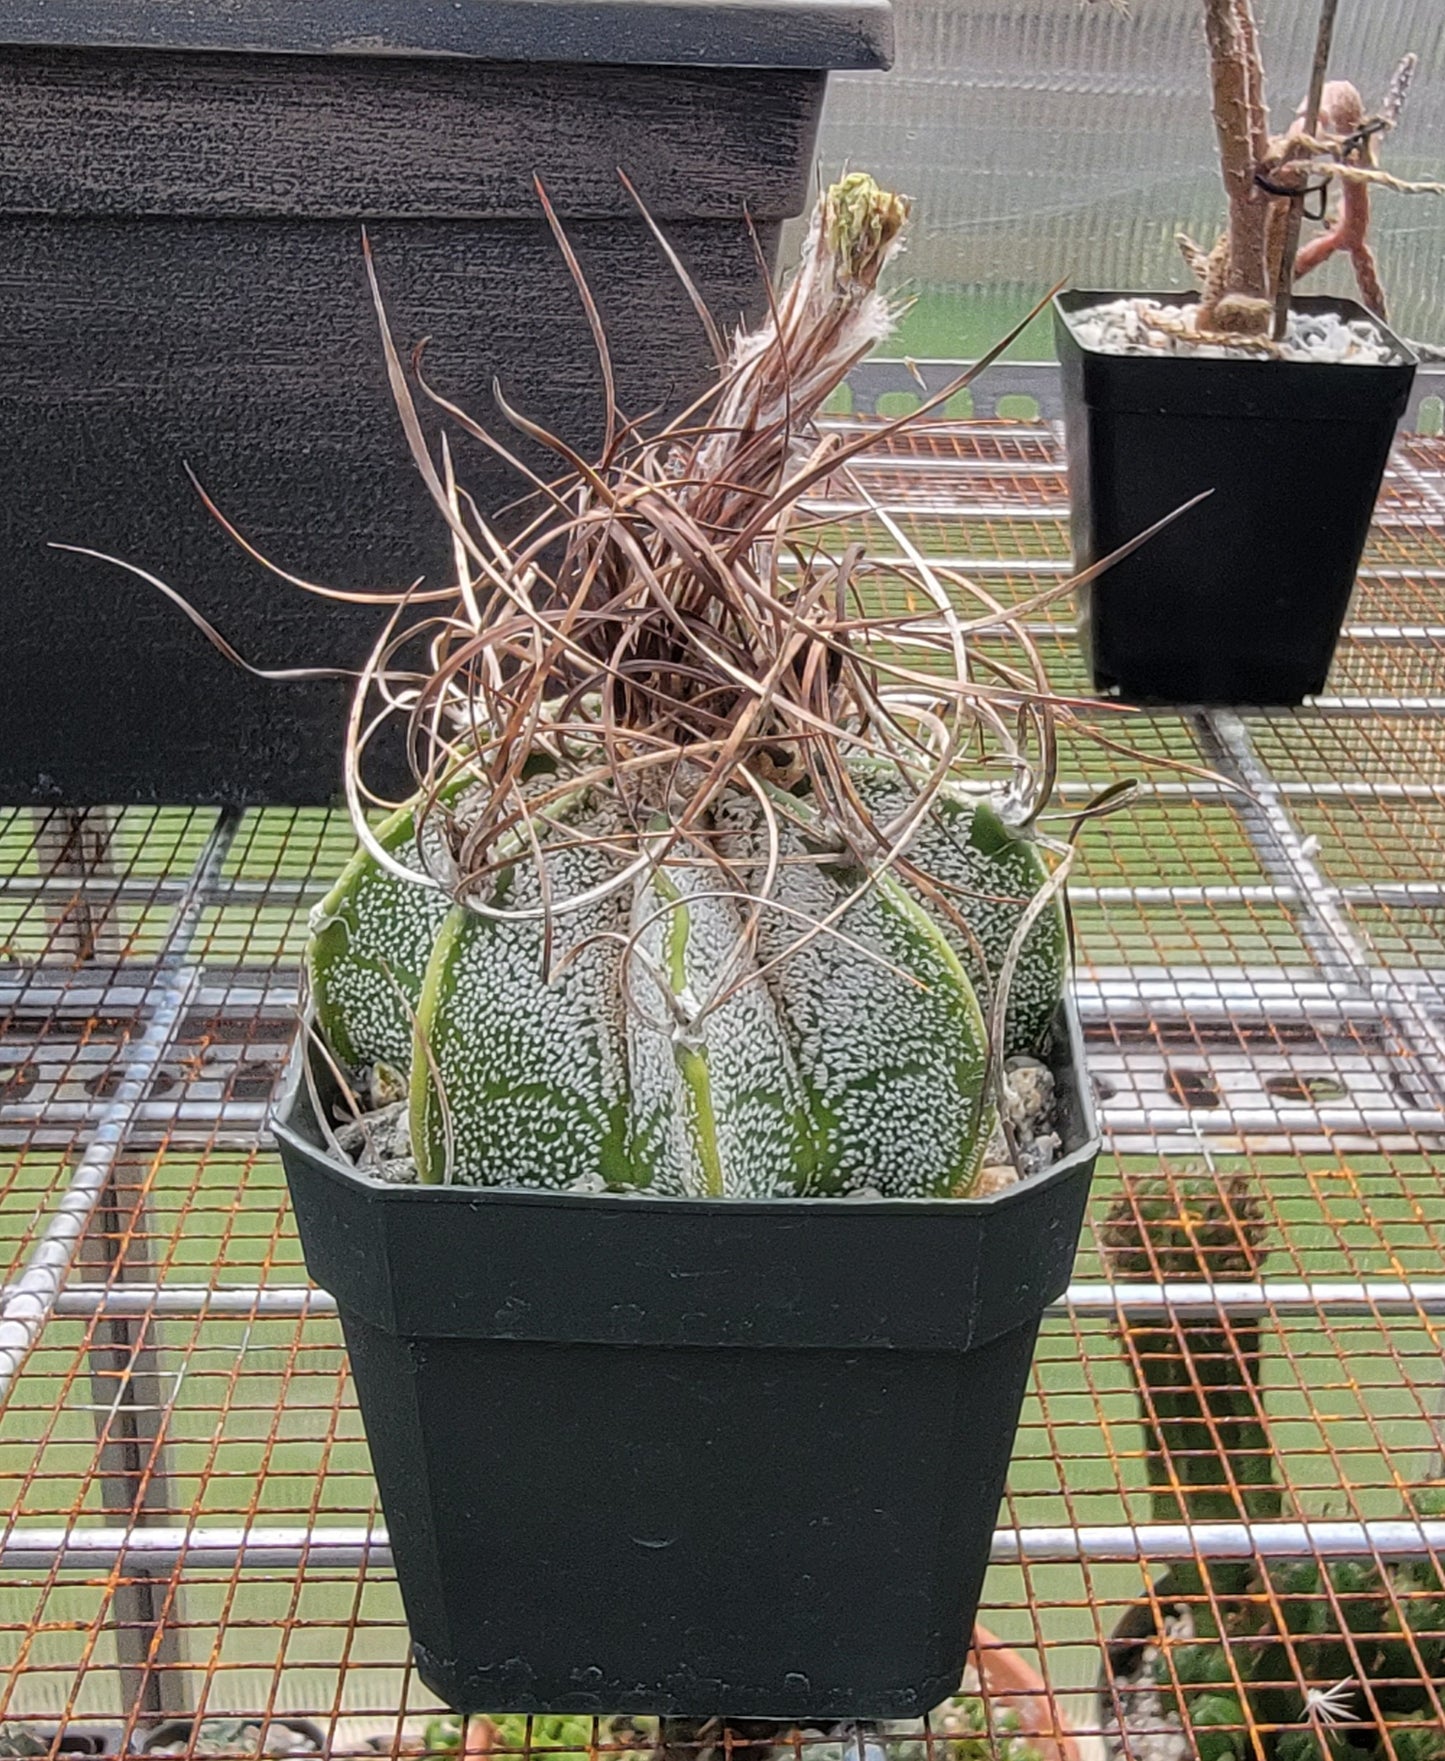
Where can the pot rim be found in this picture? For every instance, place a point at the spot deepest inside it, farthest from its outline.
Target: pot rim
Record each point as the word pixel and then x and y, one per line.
pixel 1135 1628
pixel 798 34
pixel 1070 301
pixel 293 1100
pixel 1008 1679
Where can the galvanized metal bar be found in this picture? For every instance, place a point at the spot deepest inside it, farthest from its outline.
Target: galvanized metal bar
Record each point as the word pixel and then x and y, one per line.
pixel 28 1307
pixel 1158 1541
pixel 294 893
pixel 1236 993
pixel 1426 487
pixel 953 507
pixel 953 467
pixel 1268 1297
pixel 1324 924
pixel 1134 1301
pixel 1040 380
pixel 42 1551
pixel 1380 704
pixel 1290 1122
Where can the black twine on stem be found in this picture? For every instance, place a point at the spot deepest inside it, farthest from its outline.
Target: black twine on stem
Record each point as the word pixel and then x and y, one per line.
pixel 1300 193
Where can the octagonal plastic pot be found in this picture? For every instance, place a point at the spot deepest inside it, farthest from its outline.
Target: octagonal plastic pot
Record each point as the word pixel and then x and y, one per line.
pixel 1242 599
pixel 181 213
pixel 690 1457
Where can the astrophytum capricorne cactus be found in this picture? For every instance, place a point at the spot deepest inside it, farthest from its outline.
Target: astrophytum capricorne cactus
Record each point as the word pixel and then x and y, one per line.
pixel 699 894
pixel 851 1061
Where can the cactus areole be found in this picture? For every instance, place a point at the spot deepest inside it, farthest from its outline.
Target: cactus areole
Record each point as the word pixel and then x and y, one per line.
pixel 668 1123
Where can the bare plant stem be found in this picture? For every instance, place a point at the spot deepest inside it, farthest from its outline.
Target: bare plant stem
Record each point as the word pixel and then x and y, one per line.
pixel 1295 216
pixel 1237 79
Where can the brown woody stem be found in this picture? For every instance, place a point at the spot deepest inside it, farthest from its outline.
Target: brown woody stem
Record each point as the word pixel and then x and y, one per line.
pixel 1237 78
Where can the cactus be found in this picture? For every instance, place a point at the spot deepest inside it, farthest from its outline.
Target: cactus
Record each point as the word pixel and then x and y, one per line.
pixel 695 896
pixel 1207 1450
pixel 1210 1459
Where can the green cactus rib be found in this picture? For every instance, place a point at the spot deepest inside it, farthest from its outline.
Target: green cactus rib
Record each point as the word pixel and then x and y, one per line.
pixel 836 1071
pixel 891 1044
pixel 678 1036
pixel 989 873
pixel 717 1104
pixel 518 1071
pixel 371 938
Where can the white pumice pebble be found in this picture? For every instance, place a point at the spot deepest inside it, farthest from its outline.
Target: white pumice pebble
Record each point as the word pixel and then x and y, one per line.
pixel 1123 327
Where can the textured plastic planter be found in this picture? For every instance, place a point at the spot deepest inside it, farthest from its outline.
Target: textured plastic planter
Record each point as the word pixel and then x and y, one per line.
pixel 181 216
pixel 690 1457
pixel 1242 599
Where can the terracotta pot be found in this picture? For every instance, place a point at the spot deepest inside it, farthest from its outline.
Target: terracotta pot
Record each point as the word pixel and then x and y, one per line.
pixel 1009 1682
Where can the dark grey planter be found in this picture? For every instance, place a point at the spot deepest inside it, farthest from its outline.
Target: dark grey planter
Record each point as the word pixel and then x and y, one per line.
pixel 690 1457
pixel 1240 601
pixel 180 227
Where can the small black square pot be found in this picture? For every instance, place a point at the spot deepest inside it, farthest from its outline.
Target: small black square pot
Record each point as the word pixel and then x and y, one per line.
pixel 183 195
pixel 182 1732
pixel 690 1457
pixel 1241 600
pixel 76 1739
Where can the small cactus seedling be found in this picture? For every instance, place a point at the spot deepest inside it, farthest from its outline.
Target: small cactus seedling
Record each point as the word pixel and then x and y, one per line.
pixel 1293 1660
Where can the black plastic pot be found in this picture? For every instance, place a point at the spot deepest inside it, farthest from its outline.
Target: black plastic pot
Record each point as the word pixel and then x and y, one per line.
pixel 171 1731
pixel 180 214
pixel 690 1457
pixel 1242 599
pixel 76 1739
pixel 1135 1630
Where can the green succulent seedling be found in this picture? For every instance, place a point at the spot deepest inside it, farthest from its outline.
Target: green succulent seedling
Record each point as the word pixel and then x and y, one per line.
pixel 1330 1626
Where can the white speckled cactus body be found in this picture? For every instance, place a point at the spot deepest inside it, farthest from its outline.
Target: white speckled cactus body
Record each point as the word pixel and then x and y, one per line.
pixel 677 1038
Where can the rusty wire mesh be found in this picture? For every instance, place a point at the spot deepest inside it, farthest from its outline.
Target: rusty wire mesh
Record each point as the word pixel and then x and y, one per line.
pixel 1261 990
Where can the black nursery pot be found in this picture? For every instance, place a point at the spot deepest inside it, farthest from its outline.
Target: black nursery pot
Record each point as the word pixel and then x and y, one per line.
pixel 181 212
pixel 78 1739
pixel 172 1731
pixel 1136 1629
pixel 690 1457
pixel 1241 600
